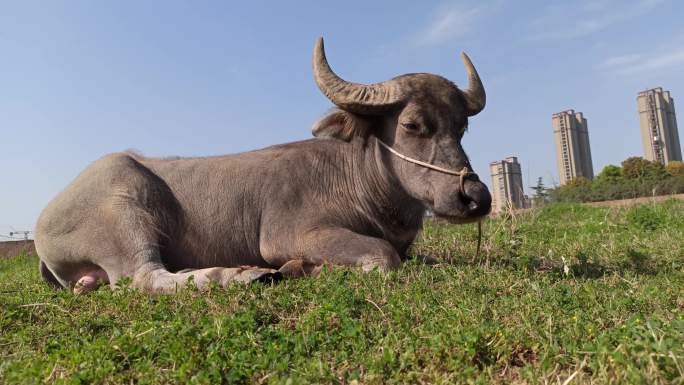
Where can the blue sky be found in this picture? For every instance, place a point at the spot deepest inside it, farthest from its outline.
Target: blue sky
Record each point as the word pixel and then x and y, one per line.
pixel 79 79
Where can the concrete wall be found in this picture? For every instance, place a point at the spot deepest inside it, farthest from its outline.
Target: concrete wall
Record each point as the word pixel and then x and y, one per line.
pixel 14 248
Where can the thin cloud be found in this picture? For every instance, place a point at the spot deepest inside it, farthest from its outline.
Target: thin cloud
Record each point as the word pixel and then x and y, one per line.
pixel 619 61
pixel 635 64
pixel 448 23
pixel 575 20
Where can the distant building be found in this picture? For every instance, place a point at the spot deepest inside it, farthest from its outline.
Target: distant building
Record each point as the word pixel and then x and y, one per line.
pixel 527 201
pixel 573 153
pixel 507 187
pixel 658 126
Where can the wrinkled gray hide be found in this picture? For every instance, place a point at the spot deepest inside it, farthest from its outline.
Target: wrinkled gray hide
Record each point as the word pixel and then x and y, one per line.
pixel 338 199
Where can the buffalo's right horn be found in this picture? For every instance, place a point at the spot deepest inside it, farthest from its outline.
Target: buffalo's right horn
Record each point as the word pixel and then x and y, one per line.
pixel 353 97
pixel 475 94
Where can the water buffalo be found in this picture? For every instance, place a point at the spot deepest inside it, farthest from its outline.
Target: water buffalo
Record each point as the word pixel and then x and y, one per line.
pixel 354 195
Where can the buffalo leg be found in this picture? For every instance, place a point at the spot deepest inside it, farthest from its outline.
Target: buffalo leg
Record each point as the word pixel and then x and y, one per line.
pixel 338 246
pixel 138 238
pixel 159 280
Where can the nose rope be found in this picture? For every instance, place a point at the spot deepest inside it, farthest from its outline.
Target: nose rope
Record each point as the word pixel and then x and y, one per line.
pixel 462 173
pixel 461 181
pixel 479 238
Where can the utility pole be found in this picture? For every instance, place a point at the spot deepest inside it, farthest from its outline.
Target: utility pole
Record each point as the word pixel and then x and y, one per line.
pixel 24 233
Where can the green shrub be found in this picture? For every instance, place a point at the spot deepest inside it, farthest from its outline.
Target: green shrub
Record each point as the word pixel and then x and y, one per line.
pixel 645 217
pixel 637 177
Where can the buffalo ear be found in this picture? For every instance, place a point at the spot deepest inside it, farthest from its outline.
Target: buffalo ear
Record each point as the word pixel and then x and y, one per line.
pixel 341 125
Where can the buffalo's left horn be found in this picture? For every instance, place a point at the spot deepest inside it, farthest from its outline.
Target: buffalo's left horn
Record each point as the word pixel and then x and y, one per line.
pixel 475 94
pixel 353 97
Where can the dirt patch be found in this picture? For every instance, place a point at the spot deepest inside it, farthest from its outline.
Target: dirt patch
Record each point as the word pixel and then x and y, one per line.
pixel 635 201
pixel 14 248
pixel 616 203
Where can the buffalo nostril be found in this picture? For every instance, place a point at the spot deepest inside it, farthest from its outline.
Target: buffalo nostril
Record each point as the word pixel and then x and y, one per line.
pixel 465 199
pixel 471 204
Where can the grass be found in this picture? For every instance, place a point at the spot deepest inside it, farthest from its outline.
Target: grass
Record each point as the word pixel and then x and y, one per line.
pixel 589 295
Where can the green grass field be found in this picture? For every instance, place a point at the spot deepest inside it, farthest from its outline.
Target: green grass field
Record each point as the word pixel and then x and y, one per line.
pixel 589 295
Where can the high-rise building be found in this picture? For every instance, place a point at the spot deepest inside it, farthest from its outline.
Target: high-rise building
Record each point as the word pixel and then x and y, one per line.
pixel 658 126
pixel 573 154
pixel 507 187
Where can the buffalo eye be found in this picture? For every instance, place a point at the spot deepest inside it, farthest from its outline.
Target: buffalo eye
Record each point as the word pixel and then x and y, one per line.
pixel 411 127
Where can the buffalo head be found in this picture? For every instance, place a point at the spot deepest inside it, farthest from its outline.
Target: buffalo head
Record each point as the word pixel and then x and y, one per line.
pixel 421 116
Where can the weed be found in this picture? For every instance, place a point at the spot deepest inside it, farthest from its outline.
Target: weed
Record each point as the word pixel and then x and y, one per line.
pixel 644 217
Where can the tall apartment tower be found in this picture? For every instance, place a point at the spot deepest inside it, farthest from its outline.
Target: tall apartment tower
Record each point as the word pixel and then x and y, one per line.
pixel 573 154
pixel 658 126
pixel 507 187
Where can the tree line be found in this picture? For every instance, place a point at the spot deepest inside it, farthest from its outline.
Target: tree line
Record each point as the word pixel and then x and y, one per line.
pixel 636 177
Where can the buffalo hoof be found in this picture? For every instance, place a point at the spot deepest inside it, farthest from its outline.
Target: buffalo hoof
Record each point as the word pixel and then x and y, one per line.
pixel 298 268
pixel 90 282
pixel 259 275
